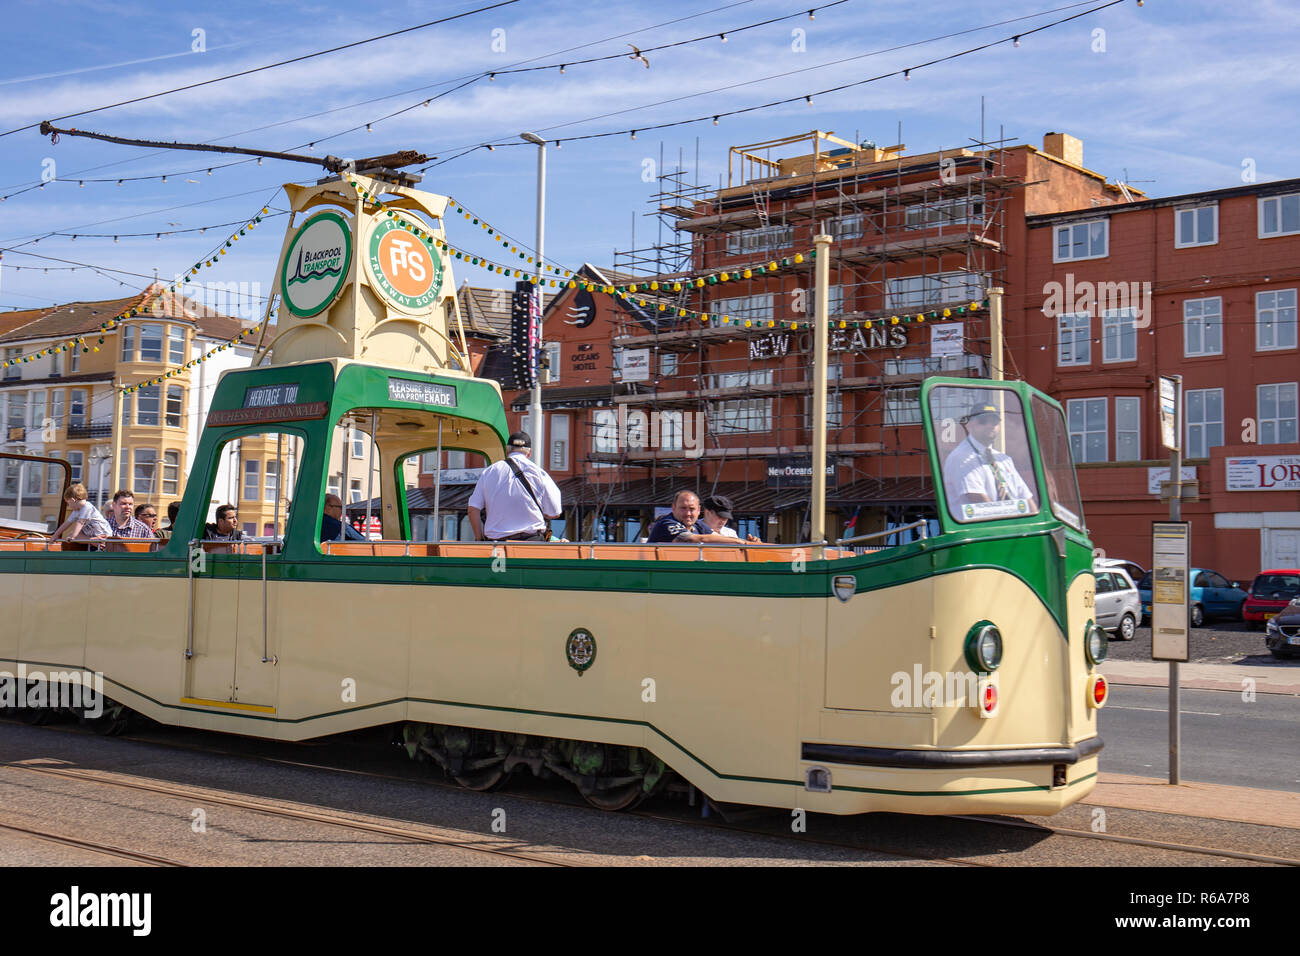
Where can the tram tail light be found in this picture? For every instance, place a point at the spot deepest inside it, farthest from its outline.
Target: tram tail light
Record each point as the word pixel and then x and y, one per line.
pixel 1098 691
pixel 989 698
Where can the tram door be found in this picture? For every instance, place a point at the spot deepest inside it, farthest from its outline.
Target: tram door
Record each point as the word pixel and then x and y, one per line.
pixel 233 660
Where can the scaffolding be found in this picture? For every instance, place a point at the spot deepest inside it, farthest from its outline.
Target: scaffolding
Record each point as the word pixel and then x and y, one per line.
pixel 913 234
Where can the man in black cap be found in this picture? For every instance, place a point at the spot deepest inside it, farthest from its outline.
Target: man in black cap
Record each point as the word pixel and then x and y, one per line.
pixel 518 495
pixel 717 512
pixel 976 474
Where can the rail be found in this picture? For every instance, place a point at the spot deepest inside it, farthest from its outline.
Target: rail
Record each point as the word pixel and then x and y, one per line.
pixel 922 525
pixel 739 550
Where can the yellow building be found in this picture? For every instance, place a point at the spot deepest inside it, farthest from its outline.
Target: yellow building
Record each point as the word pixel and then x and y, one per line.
pixel 61 405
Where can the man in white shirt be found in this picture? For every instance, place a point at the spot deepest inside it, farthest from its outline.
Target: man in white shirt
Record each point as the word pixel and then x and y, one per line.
pixel 974 472
pixel 515 511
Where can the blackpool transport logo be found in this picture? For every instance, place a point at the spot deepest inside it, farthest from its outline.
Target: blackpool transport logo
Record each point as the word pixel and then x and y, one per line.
pixel 405 270
pixel 316 264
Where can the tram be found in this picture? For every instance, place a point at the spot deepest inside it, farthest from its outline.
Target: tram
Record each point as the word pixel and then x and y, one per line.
pixel 954 673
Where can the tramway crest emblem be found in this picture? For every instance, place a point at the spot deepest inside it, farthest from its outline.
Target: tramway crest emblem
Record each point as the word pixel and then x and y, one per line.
pixel 580 649
pixel 845 586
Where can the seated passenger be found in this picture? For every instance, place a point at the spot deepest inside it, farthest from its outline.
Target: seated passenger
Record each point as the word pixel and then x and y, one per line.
pixel 225 528
pixel 122 524
pixel 683 525
pixel 147 515
pixel 717 512
pixel 83 519
pixel 332 525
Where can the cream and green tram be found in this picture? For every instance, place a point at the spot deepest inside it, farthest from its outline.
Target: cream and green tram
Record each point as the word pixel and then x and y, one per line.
pixel 955 672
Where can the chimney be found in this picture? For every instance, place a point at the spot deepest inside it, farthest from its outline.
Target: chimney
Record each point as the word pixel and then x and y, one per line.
pixel 1064 146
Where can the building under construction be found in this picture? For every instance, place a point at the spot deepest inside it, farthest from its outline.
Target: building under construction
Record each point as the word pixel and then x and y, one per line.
pixel 644 400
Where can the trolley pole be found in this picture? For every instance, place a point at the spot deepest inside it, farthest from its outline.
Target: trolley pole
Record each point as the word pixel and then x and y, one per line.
pixel 821 344
pixel 119 396
pixel 536 425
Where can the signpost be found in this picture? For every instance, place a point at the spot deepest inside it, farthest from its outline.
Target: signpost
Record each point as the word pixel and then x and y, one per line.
pixel 1172 547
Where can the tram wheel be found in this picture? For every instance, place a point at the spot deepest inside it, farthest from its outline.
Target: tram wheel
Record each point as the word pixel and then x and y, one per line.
pixel 618 798
pixel 485 779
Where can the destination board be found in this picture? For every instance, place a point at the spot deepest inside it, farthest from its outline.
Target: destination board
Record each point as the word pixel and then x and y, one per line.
pixel 421 393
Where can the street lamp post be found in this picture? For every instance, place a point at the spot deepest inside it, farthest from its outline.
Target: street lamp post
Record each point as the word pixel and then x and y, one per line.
pixel 535 406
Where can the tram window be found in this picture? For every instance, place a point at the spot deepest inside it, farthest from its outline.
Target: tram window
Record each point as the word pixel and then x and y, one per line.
pixel 262 509
pixel 986 463
pixel 1058 465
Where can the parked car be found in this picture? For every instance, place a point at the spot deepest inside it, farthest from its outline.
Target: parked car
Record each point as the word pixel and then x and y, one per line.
pixel 1212 596
pixel 1134 570
pixel 1118 606
pixel 1282 634
pixel 1270 592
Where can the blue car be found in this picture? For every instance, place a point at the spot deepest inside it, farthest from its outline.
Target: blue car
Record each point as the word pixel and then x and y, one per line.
pixel 1212 596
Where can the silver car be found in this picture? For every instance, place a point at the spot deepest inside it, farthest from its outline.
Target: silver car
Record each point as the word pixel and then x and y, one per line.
pixel 1119 608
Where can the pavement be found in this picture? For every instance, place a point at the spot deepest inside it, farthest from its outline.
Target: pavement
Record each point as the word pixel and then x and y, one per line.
pixel 1212 801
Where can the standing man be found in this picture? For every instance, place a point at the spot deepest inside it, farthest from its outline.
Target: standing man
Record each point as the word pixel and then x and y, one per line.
pixel 518 495
pixel 973 472
pixel 122 524
pixel 683 525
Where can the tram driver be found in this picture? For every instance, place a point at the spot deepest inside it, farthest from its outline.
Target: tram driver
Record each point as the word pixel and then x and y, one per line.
pixel 974 472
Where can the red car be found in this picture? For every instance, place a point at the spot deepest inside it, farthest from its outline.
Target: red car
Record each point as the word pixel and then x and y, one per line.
pixel 1270 592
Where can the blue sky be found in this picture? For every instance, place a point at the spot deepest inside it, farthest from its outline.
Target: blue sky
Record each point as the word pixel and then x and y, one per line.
pixel 1177 95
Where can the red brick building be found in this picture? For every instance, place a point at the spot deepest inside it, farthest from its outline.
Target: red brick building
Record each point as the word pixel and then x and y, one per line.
pixel 1203 286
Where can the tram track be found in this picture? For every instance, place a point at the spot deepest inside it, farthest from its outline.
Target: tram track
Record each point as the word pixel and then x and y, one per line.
pixel 106 849
pixel 412 833
pixel 736 827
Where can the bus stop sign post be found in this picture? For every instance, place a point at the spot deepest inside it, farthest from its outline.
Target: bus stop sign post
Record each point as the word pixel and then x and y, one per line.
pixel 1170 563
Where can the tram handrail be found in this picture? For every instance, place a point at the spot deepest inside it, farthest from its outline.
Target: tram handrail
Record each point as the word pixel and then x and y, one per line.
pixel 883 534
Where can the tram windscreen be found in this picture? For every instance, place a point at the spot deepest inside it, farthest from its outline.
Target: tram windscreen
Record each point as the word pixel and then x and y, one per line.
pixel 1058 463
pixel 986 463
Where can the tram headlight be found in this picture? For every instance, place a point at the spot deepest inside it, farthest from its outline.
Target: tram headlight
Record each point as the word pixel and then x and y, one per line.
pixel 984 647
pixel 1096 642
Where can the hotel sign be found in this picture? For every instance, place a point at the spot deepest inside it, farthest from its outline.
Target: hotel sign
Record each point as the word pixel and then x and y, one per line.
pixel 778 344
pixel 796 471
pixel 1263 473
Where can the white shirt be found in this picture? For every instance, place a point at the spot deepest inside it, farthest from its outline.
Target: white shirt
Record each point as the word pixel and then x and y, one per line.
pixel 727 532
pixel 967 472
pixel 94 522
pixel 509 508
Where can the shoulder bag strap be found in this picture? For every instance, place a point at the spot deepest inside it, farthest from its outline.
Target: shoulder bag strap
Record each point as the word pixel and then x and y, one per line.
pixel 546 528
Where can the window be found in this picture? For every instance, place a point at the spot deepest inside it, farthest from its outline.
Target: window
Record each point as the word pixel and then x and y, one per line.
pixel 171 472
pixel 53 477
pixel 558 436
pixel 1275 320
pixel 74 359
pixel 146 404
pixel 741 415
pixel 903 406
pixel 13 371
pixel 1197 226
pixel 334 485
pixel 35 477
pixel 763 239
pixel 175 404
pixel 1087 421
pixel 354 490
pixel 911 292
pixel 845 227
pixel 834 410
pixel 1082 240
pixel 38 409
pixel 1279 215
pixel 54 365
pixel 668 364
pixel 56 407
pixel 77 407
pixel 755 307
pixel 10 487
pixel 126 408
pixel 1277 413
pixel 456 459
pixel 605 432
pixel 946 212
pixel 75 461
pixel 146 465
pixel 1202 327
pixel 272 480
pixel 670 431
pixel 252 479
pixel 552 362
pixel 1128 429
pixel 17 410
pixel 1119 336
pixel 1074 339
pixel 358 445
pixel 128 343
pixel 151 342
pixel 175 344
pixel 1204 421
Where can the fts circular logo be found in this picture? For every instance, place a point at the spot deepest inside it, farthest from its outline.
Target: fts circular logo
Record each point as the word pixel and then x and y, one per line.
pixel 402 267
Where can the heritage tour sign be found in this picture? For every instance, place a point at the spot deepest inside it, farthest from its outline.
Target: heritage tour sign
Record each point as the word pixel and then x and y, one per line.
pixel 316 264
pixel 405 271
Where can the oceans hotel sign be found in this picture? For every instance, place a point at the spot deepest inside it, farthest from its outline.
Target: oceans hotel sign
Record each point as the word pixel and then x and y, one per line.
pixel 777 344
